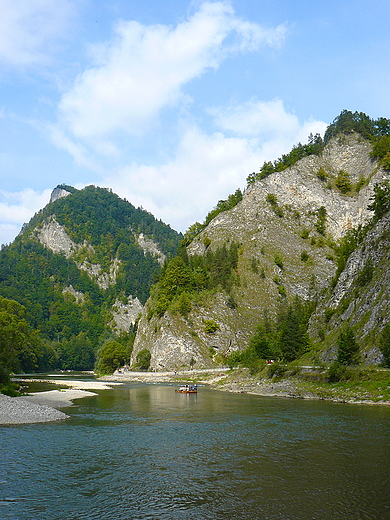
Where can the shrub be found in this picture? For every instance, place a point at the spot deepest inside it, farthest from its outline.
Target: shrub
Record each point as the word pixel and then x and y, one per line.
pixel 276 370
pixel 343 181
pixel 279 261
pixel 321 174
pixel 272 199
pixel 336 372
pixel 304 256
pixel 143 359
pixel 210 326
pixel 348 349
pixel 384 344
pixel 305 233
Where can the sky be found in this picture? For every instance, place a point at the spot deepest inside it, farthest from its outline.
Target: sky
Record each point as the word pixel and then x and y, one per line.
pixel 173 104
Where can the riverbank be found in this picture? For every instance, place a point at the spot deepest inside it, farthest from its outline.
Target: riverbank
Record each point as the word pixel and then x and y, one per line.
pixel 368 387
pixel 38 407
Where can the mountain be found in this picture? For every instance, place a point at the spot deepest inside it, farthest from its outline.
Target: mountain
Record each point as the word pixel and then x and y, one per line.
pixel 82 269
pixel 286 239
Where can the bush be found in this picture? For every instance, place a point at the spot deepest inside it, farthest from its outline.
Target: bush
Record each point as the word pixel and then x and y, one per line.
pixel 336 372
pixel 348 349
pixel 210 326
pixel 143 359
pixel 343 181
pixel 276 370
pixel 304 256
pixel 384 344
pixel 111 356
pixel 278 261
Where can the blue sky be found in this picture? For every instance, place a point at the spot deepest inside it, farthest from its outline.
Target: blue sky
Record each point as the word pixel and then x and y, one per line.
pixel 172 104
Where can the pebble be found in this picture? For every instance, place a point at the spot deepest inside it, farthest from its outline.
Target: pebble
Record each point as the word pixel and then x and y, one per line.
pixel 16 410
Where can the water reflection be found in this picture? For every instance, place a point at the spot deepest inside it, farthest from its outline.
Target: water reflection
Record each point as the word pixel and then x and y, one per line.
pixel 143 451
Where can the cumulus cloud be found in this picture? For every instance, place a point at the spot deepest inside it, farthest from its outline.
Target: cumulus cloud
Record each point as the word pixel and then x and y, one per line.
pixel 18 209
pixel 28 27
pixel 144 68
pixel 265 119
pixel 206 168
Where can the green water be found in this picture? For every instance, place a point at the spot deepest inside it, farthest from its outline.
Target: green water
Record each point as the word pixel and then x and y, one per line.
pixel 143 451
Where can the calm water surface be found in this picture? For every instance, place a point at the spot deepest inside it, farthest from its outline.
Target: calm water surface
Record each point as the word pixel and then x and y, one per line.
pixel 142 451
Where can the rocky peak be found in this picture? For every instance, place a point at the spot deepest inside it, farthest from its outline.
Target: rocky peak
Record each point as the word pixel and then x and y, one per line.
pixel 58 193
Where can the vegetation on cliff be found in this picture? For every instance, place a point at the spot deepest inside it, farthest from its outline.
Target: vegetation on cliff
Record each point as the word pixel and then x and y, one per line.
pixel 71 311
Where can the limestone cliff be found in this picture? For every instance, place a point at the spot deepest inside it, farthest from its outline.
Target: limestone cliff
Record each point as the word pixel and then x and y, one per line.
pixel 286 225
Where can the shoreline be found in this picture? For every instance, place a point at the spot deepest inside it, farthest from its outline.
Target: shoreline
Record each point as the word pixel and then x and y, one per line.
pixel 225 380
pixel 38 407
pixel 42 407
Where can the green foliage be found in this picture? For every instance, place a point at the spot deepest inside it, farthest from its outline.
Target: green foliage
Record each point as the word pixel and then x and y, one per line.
pixel 143 359
pixel 276 370
pixel 112 355
pixel 286 337
pixel 234 359
pixel 348 349
pixel 264 342
pixel 360 183
pixel 346 245
pixel 348 122
pixel 278 259
pixel 321 174
pixel 21 348
pixel 215 270
pixel 381 150
pixel 223 205
pixel 366 274
pixel 304 256
pixel 210 326
pixel 343 181
pixel 305 233
pixel 314 147
pixel 384 344
pixel 71 331
pixel 336 372
pixel 381 201
pixel 320 224
pixel 272 199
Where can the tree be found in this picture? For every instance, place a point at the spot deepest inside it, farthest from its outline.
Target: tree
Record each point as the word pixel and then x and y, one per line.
pixel 348 349
pixel 381 202
pixel 384 344
pixel 111 356
pixel 143 359
pixel 343 181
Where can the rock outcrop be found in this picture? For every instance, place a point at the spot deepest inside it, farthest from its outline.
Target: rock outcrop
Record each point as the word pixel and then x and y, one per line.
pixel 286 225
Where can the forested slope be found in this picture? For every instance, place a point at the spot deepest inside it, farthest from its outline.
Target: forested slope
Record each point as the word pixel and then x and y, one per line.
pixel 75 267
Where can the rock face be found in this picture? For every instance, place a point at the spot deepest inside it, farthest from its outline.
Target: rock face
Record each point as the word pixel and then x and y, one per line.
pixel 149 246
pixel 58 193
pixel 360 299
pixel 285 251
pixel 126 314
pixel 53 236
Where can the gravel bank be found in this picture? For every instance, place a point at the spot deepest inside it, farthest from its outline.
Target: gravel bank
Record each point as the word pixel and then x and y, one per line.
pixel 17 410
pixel 41 407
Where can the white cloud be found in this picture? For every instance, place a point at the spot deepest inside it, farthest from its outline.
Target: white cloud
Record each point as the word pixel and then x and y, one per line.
pixel 17 208
pixel 27 28
pixel 144 68
pixel 206 168
pixel 264 119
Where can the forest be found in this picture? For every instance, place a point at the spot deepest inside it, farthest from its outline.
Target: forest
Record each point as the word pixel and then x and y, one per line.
pixel 69 333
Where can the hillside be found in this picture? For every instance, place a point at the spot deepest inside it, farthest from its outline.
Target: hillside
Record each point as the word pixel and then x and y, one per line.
pixel 287 230
pixel 82 268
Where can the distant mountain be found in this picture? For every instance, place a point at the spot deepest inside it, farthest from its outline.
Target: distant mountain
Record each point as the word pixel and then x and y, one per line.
pixel 82 268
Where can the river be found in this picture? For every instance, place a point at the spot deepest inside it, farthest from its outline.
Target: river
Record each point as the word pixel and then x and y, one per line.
pixel 142 451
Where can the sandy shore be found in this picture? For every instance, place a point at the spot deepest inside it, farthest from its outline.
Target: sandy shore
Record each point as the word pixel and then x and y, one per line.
pixel 38 407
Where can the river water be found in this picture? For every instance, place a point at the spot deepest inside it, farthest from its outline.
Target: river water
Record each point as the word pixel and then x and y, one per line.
pixel 143 451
